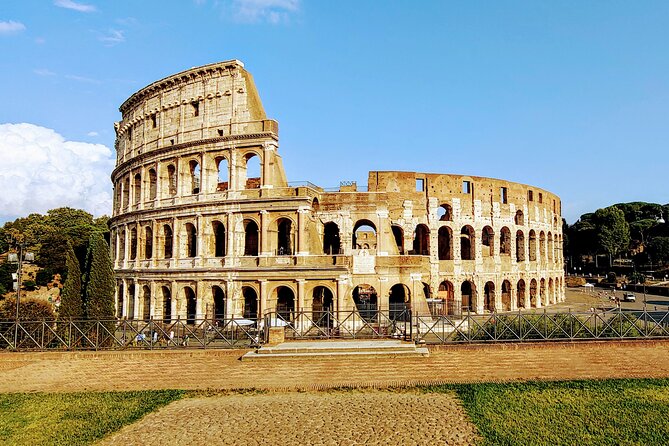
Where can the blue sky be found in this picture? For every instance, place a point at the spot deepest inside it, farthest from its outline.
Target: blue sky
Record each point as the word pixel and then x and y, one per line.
pixel 571 96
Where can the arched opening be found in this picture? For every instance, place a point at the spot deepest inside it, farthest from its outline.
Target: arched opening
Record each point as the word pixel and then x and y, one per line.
pixel 253 173
pixel 153 184
pixel 148 242
pixel 549 246
pixel 172 179
pixel 556 248
pixel 322 306
pixel 489 296
pixel 533 246
pixel 520 218
pixel 315 205
pixel 520 294
pixel 191 305
pixel 366 302
pixel 121 246
pixel 191 240
pixel 445 212
pixel 447 305
pixel 222 179
pixel 364 232
pixel 551 291
pixel 167 244
pixel 137 186
pixel 542 292
pixel 146 303
pixel 119 302
pixel 219 303
pixel 219 239
pixel 250 238
pixel 467 243
pixel 131 302
pixel 331 241
pixel 133 243
pixel 505 241
pixel 468 292
pixel 445 236
pixel 194 176
pixel 167 304
pixel 250 310
pixel 487 242
pixel 520 246
pixel 533 293
pixel 399 300
pixel 126 193
pixel 506 296
pixel 542 246
pixel 284 242
pixel 285 303
pixel 398 235
pixel 421 241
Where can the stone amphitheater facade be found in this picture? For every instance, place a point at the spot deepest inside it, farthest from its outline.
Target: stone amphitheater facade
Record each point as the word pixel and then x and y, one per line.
pixel 206 225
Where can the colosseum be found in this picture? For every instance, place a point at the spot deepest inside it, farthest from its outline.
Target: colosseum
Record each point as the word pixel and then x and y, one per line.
pixel 206 225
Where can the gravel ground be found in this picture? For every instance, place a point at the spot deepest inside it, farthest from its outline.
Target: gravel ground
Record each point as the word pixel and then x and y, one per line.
pixel 324 418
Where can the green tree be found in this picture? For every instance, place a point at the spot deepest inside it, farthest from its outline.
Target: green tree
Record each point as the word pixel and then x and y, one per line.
pixel 99 279
pixel 71 305
pixel 613 232
pixel 658 248
pixel 52 253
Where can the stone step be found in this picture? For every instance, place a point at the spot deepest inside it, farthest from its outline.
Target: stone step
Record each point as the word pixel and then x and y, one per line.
pixel 353 348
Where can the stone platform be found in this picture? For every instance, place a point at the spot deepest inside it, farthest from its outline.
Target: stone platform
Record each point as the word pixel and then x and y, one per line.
pixel 351 348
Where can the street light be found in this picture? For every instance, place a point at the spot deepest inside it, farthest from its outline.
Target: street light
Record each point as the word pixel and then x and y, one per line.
pixel 18 257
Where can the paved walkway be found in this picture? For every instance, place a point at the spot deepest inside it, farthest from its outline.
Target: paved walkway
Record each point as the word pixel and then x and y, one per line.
pixel 219 369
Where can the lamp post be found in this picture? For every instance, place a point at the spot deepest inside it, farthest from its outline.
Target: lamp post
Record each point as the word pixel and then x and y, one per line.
pixel 20 246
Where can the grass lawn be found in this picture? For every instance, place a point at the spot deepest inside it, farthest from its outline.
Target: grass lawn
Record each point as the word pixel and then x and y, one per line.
pixel 611 412
pixel 73 418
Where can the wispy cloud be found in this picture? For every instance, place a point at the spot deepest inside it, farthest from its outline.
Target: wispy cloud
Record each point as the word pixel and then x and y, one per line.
pixel 11 27
pixel 113 37
pixel 70 4
pixel 86 80
pixel 40 40
pixel 272 11
pixel 92 134
pixel 43 72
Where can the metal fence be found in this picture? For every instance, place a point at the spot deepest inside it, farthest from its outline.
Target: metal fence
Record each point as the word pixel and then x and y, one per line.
pixel 395 323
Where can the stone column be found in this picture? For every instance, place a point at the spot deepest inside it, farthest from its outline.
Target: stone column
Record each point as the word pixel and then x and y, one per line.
pixel 199 239
pixel 204 172
pixel 266 180
pixel 300 294
pixel 341 291
pixel 229 236
pixel 230 300
pixel 199 300
pixel 126 295
pixel 302 247
pixel 381 235
pixel 155 312
pixel 514 299
pixel 126 245
pixel 264 233
pixel 176 239
pixel 116 313
pixel 154 243
pixel 174 293
pixel 137 314
pixel 262 298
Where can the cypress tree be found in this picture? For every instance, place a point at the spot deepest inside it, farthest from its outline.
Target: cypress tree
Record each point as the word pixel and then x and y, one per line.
pixel 99 279
pixel 71 305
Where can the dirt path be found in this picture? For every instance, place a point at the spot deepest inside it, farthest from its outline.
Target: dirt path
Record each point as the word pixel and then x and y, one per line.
pixel 217 369
pixel 328 418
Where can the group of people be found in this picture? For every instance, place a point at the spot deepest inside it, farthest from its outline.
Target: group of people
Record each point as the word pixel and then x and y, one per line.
pixel 167 338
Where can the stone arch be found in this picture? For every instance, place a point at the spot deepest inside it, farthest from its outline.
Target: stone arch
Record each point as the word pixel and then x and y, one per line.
pixel 398 235
pixel 219 310
pixel 520 246
pixel 131 302
pixel 542 291
pixel 551 291
pixel 148 242
pixel 445 212
pixel 146 303
pixel 285 302
pixel 366 301
pixel 487 241
pixel 505 241
pixel 489 296
pixel 167 304
pixel 362 232
pixel 222 174
pixel 421 240
pixel 445 244
pixel 533 293
pixel 172 179
pixel 153 184
pixel 446 294
pixel 190 299
pixel 285 236
pixel 331 239
pixel 399 300
pixel 533 245
pixel 315 205
pixel 195 176
pixel 549 246
pixel 520 294
pixel 506 296
pixel 121 246
pixel 219 238
pixel 168 241
pixel 542 246
pixel 251 239
pixel 467 243
pixel 250 303
pixel 137 186
pixel 133 243
pixel 322 303
pixel 519 219
pixel 191 240
pixel 252 173
pixel 468 292
pixel 119 301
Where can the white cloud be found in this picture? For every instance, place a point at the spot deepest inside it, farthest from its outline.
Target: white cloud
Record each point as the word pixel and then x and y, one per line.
pixel 92 133
pixel 113 37
pixel 43 72
pixel 87 80
pixel 40 170
pixel 11 27
pixel 273 11
pixel 70 4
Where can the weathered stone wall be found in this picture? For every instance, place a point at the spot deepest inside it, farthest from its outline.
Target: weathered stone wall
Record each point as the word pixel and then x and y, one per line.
pixel 196 233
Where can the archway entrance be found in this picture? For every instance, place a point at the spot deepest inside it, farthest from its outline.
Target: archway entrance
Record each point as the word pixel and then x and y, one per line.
pixel 366 301
pixel 399 300
pixel 506 295
pixel 191 305
pixel 489 297
pixel 167 305
pixel 447 296
pixel 322 306
pixel 219 304
pixel 285 303
pixel 250 310
pixel 468 291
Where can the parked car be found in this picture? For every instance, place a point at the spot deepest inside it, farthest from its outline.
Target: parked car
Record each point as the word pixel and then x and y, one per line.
pixel 629 297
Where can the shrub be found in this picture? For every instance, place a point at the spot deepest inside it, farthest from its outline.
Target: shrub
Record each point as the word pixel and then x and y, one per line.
pixel 29 310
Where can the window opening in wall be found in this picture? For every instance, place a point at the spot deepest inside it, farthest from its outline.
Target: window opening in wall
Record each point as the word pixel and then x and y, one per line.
pixel 554 206
pixel 398 235
pixel 421 241
pixel 191 305
pixel 138 188
pixel 520 218
pixel 467 243
pixel 250 238
pixel 331 241
pixel 520 246
pixel 219 303
pixel 285 303
pixel 420 184
pixel 489 296
pixel 172 179
pixel 398 300
pixel 252 174
pixel 445 236
pixel 148 242
pixel 466 187
pixel 119 311
pixel 366 302
pixel 487 242
pixel 196 108
pixel 191 240
pixel 503 195
pixel 195 176
pixel 520 293
pixel 126 193
pixel 133 244
pixel 541 197
pixel 154 121
pixel 153 184
pixel 220 132
pixel 167 246
pixel 445 304
pixel 131 301
pixel 129 134
pixel 505 241
pixel 506 295
pixel 364 232
pixel 284 237
pixel 321 305
pixel 167 305
pixel 250 303
pixel 146 303
pixel 222 181
pixel 445 212
pixel 530 195
pixel 468 292
pixel 121 247
pixel 533 246
pixel 219 239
